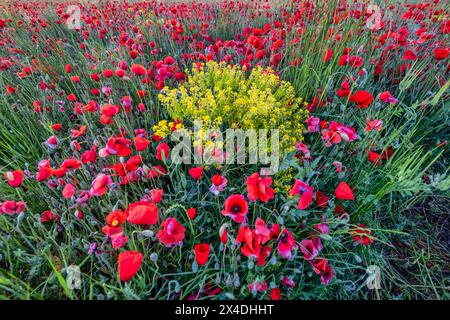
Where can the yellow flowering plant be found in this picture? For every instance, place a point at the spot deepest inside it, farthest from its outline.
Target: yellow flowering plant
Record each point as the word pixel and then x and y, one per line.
pixel 235 98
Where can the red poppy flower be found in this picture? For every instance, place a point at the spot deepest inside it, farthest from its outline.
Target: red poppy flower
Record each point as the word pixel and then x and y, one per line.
pixel 14 178
pixel 265 252
pixel 48 216
pixel 236 207
pixel 441 53
pixel 78 132
pixel 116 218
pixel 133 54
pixel 57 126
pixel 201 252
pixel 169 60
pixel 109 230
pixel 141 143
pixel 129 264
pixel 362 235
pixel 286 244
pixel 12 207
pixel 89 156
pixel 375 157
pixel 141 93
pixel 373 124
pixel 262 232
pixel 319 265
pixel 344 192
pixel 68 191
pixel 138 70
pixel 327 56
pixel 108 73
pixel 156 195
pixel 52 142
pixel 409 55
pixel 118 146
pixel 162 150
pixel 355 61
pixel 252 247
pixel 259 188
pixel 119 73
pixel 10 90
pixel 155 172
pixel 109 110
pixel 72 97
pixel 172 232
pixel 223 234
pixel 362 98
pixel 191 213
pixel 275 294
pixel 344 91
pixel 387 97
pixel 217 179
pixel 44 173
pixel 327 275
pixel 321 199
pixel 59 172
pixel 95 77
pixel 309 249
pixel 142 212
pixel 196 173
pixel 71 164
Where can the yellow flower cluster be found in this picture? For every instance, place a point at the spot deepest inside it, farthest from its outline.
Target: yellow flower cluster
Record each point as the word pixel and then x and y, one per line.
pixel 239 99
pixel 283 181
pixel 164 127
pixel 208 131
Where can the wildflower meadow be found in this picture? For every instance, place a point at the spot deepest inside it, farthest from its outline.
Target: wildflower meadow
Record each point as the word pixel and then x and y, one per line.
pixel 224 150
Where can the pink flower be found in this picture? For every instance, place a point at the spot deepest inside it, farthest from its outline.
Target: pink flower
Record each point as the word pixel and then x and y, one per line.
pixel 338 166
pixel 387 97
pixel 288 282
pixel 100 185
pixel 304 149
pixel 118 240
pixel 313 124
pixel 12 207
pixel 52 142
pixel 258 286
pixel 373 124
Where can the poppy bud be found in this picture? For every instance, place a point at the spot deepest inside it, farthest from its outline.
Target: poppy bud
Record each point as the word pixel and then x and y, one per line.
pixel 201 253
